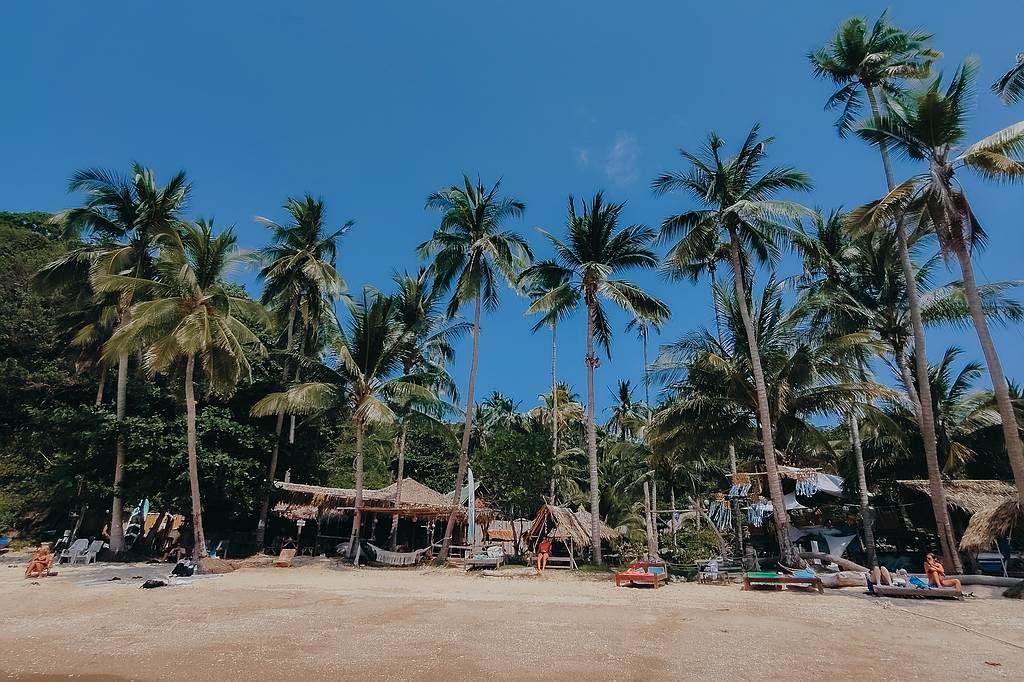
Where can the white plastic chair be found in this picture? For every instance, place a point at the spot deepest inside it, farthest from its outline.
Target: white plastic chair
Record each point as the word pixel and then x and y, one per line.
pixel 89 555
pixel 77 549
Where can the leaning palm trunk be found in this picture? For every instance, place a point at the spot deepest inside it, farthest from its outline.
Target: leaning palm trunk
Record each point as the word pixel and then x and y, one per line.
pixel 261 528
pixel 595 489
pixel 866 515
pixel 199 540
pixel 926 414
pixel 787 552
pixel 654 509
pixel 398 484
pixel 1002 392
pixel 467 430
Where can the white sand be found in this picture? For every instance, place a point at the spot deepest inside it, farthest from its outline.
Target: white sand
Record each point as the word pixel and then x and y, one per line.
pixel 320 620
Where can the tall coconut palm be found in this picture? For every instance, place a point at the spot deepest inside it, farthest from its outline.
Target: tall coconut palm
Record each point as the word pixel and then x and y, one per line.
pixel 190 315
pixel 1010 87
pixel 537 289
pixel 877 62
pixel 931 128
pixel 597 249
pixel 471 254
pixel 737 205
pixel 364 382
pixel 428 351
pixel 643 333
pixel 301 284
pixel 124 219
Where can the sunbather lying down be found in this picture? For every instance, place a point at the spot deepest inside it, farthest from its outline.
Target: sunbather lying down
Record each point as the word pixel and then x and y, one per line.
pixel 39 564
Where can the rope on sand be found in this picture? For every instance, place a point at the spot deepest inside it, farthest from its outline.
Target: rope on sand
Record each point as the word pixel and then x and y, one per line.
pixel 886 605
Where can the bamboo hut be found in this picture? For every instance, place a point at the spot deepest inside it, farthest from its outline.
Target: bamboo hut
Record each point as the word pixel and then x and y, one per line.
pixel 332 509
pixel 571 529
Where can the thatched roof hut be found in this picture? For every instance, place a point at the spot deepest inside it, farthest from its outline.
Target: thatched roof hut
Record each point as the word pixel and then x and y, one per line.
pixel 971 496
pixel 297 501
pixel 559 523
pixel 992 523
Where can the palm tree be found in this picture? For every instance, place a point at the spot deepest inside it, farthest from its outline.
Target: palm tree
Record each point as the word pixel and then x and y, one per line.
pixel 125 219
pixel 471 253
pixel 737 205
pixel 931 128
pixel 628 416
pixel 596 250
pixel 1010 87
pixel 191 314
pixel 539 289
pixel 643 332
pixel 364 381
pixel 877 62
pixel 301 283
pixel 429 348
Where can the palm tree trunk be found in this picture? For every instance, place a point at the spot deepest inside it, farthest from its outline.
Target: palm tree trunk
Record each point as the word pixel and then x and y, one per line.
pixel 261 527
pixel 647 375
pixel 734 504
pixel 102 385
pixel 117 548
pixel 554 410
pixel 908 383
pixel 595 489
pixel 357 515
pixel 651 544
pixel 787 552
pixel 199 544
pixel 654 509
pixel 1011 434
pixel 398 483
pixel 467 430
pixel 866 514
pixel 947 539
pixel 672 495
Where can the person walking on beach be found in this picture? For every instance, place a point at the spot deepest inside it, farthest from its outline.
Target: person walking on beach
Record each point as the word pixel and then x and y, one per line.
pixel 543 552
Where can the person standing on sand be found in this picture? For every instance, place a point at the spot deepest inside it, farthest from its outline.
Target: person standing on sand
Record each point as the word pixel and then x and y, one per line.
pixel 543 552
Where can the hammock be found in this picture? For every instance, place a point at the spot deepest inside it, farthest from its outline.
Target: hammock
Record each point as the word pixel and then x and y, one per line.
pixel 387 558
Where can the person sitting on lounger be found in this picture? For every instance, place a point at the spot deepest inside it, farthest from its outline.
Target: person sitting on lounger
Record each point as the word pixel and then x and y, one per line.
pixel 937 574
pixel 39 564
pixel 543 552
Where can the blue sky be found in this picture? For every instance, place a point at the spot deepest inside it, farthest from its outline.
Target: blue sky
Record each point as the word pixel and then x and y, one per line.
pixel 374 105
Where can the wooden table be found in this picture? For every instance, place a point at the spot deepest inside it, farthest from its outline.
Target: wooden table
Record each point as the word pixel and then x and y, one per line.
pixel 781 580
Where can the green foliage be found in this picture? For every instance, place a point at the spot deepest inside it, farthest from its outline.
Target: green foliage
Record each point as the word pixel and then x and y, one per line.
pixel 515 467
pixel 689 545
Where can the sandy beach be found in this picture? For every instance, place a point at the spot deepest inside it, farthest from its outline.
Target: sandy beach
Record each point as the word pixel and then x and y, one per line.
pixel 320 620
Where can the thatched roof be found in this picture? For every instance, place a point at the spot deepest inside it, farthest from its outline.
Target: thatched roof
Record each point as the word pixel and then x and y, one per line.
pixel 560 523
pixel 298 501
pixel 992 523
pixel 971 496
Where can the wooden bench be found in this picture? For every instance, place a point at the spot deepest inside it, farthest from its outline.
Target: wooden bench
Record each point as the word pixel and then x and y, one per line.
pixel 781 580
pixel 641 572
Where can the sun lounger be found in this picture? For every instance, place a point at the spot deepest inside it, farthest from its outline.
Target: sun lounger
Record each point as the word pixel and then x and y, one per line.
pixel 89 555
pixel 643 572
pixel 918 589
pixel 77 549
pixel 752 578
pixel 284 559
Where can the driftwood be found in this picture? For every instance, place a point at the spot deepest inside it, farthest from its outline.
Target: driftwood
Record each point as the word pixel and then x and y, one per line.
pixel 844 579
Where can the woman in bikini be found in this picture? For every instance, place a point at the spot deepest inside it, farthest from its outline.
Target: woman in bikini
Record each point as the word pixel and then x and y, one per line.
pixel 543 552
pixel 937 574
pixel 39 564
